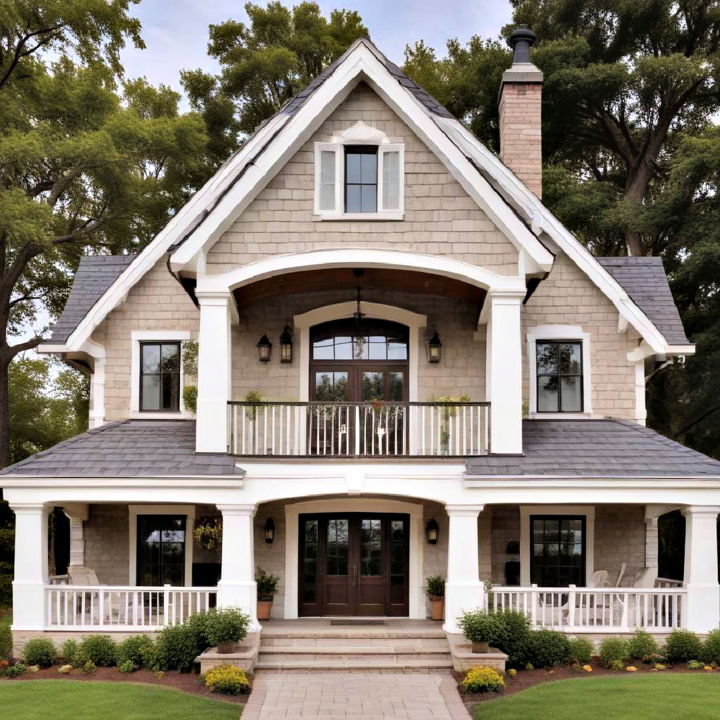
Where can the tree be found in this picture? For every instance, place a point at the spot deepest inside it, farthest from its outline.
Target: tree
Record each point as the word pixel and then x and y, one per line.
pixel 82 167
pixel 264 65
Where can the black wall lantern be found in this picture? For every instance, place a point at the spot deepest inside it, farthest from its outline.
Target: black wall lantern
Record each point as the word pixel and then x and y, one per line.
pixel 434 348
pixel 286 343
pixel 264 347
pixel 432 531
pixel 269 531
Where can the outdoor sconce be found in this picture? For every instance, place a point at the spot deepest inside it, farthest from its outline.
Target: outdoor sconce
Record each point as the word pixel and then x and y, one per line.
pixel 432 531
pixel 269 531
pixel 264 347
pixel 434 348
pixel 286 343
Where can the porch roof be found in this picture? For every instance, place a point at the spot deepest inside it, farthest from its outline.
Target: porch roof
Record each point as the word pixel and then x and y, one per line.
pixel 129 448
pixel 595 448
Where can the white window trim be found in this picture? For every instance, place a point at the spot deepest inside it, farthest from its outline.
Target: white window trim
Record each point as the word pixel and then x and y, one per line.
pixel 187 510
pixel 571 333
pixel 527 510
pixel 358 134
pixel 136 337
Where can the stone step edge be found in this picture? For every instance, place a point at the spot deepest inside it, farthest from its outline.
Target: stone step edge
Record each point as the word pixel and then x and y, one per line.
pixel 344 635
pixel 349 665
pixel 350 650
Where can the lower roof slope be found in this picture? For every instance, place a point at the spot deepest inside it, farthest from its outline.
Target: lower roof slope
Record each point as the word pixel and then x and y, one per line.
pixel 595 448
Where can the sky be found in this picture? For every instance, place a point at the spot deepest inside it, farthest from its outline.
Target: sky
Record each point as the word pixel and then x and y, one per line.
pixel 176 31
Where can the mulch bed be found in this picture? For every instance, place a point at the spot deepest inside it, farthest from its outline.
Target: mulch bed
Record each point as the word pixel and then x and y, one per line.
pixel 527 678
pixel 187 682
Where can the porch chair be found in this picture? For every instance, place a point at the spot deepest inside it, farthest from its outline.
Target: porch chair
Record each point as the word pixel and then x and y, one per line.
pixel 621 574
pixel 114 608
pixel 560 614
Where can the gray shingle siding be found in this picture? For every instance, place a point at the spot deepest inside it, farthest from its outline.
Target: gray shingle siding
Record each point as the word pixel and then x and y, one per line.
pixel 596 448
pixel 95 274
pixel 645 281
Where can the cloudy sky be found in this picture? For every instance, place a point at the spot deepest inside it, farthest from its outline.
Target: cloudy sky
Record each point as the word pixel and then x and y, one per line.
pixel 175 31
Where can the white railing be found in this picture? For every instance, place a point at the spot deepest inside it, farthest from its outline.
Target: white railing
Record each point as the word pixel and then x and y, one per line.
pixel 662 582
pixel 118 607
pixel 595 609
pixel 346 429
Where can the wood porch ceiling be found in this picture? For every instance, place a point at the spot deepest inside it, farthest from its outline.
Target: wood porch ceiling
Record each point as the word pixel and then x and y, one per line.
pixel 371 279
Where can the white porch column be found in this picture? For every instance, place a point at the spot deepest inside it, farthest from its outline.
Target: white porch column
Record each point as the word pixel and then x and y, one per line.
pixel 214 372
pixel 463 589
pixel 31 566
pixel 702 611
pixel 237 586
pixel 503 369
pixel 77 514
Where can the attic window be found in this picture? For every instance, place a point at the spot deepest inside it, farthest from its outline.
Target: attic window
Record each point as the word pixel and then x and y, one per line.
pixel 359 181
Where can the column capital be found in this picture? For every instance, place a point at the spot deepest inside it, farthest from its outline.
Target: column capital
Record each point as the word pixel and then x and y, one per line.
pixel 708 511
pixel 238 510
pixel 464 510
pixel 27 508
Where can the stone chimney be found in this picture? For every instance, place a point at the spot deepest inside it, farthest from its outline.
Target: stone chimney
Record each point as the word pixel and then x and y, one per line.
pixel 520 103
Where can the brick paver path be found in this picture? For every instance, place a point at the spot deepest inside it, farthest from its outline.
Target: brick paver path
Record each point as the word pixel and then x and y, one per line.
pixel 340 695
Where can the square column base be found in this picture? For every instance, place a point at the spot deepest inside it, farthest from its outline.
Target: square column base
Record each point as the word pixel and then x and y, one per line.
pixel 460 597
pixel 702 609
pixel 241 595
pixel 28 606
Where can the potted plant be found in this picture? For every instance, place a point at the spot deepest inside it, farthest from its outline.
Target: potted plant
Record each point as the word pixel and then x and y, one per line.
pixel 479 627
pixel 266 587
pixel 435 589
pixel 226 627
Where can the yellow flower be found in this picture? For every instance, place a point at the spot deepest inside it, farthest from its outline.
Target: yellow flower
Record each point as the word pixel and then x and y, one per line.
pixel 659 666
pixel 631 668
pixel 512 672
pixel 708 668
pixel 587 668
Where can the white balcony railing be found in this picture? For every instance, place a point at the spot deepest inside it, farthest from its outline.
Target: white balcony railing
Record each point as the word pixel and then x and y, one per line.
pixel 91 607
pixel 595 609
pixel 346 429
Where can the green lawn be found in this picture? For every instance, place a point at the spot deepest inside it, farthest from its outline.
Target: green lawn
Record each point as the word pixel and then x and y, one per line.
pixel 77 700
pixel 646 697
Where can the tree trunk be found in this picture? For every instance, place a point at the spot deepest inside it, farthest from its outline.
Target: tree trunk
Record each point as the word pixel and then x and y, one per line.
pixel 4 412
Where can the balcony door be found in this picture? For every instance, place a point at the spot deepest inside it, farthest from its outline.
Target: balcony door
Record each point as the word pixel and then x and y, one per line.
pixel 353 564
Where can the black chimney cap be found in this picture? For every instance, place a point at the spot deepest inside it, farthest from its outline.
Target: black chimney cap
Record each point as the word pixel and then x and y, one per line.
pixel 521 40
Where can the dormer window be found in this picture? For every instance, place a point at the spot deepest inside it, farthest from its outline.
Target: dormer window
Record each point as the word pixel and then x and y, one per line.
pixel 359 176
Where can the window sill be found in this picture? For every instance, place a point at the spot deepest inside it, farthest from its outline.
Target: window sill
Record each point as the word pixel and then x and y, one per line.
pixel 560 415
pixel 182 415
pixel 354 217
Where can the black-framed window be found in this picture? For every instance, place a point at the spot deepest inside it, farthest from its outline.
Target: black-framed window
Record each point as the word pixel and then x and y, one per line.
pixel 557 550
pixel 160 376
pixel 161 549
pixel 559 376
pixel 361 178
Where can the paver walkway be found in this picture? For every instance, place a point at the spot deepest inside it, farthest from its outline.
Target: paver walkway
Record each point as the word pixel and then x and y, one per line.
pixel 340 695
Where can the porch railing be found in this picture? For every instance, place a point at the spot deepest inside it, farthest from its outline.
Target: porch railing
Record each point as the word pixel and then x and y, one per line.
pixel 595 609
pixel 354 429
pixel 85 607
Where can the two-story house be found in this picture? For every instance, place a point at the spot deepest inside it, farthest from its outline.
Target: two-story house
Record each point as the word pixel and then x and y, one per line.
pixel 405 366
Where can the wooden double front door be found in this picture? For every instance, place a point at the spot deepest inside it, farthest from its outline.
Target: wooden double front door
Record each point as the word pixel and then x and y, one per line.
pixel 353 564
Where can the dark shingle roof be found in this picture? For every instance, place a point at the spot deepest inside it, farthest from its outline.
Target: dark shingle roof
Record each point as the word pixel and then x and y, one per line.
pixel 645 281
pixel 95 274
pixel 130 448
pixel 596 448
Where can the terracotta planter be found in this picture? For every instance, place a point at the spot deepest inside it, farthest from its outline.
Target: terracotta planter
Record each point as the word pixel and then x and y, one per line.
pixel 225 647
pixel 263 608
pixel 437 607
pixel 480 646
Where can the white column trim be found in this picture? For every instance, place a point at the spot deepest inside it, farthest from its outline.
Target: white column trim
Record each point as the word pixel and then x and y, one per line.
pixel 527 510
pixel 416 609
pixel 31 565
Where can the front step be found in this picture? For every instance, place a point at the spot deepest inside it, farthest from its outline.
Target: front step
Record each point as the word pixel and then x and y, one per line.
pixel 367 649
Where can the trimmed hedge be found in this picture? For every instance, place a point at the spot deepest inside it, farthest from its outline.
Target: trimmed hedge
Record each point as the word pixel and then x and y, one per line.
pixel 547 648
pixel 98 650
pixel 581 650
pixel 613 651
pixel 683 645
pixel 40 651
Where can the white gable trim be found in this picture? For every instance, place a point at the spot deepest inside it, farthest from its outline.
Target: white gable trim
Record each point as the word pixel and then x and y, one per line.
pixel 361 63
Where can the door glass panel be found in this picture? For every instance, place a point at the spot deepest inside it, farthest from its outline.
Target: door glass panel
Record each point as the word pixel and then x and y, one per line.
pixel 397 552
pixel 558 551
pixel 310 554
pixel 370 547
pixel 161 549
pixel 396 389
pixel 337 546
pixel 331 386
pixel 373 386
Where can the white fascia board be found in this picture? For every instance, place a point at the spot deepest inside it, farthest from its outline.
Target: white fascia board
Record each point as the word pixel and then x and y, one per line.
pixel 361 64
pixel 176 228
pixel 609 481
pixel 543 219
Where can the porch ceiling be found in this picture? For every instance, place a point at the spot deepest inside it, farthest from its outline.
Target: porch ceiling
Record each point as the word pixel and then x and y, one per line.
pixel 315 281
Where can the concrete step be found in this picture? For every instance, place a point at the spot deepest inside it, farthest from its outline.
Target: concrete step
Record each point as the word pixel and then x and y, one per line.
pixel 362 654
pixel 395 643
pixel 391 664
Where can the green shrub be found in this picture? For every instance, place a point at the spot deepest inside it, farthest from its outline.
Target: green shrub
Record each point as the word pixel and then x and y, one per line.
pixel 226 679
pixel 6 641
pixel 711 647
pixel 267 584
pixel 99 650
pixel 513 636
pixel 69 651
pixel 613 650
pixel 39 651
pixel 581 650
pixel 199 624
pixel 482 679
pixel 642 646
pixel 89 667
pixel 228 625
pixel 695 665
pixel 683 645
pixel 131 649
pixel 617 665
pixel 548 648
pixel 12 671
pixel 177 648
pixel 435 585
pixel 150 657
pixel 127 666
pixel 478 625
